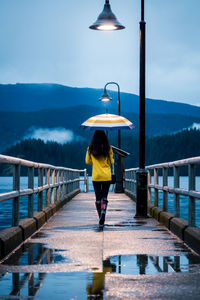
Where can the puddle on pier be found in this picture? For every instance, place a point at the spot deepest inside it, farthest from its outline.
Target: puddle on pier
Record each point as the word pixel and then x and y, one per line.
pixel 142 264
pixel 59 286
pixel 31 253
pixel 83 285
pixel 34 254
pixel 127 226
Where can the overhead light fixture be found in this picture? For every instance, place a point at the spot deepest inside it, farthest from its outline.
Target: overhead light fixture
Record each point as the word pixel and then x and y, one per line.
pixel 105 97
pixel 107 21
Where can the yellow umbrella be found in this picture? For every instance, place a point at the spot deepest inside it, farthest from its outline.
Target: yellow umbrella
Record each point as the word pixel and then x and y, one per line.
pixel 107 121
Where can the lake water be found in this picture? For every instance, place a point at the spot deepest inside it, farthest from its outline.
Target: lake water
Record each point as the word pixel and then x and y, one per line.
pixel 184 201
pixel 6 206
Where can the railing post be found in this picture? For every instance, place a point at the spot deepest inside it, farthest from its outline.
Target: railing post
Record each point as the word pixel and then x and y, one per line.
pixel 134 183
pixel 30 186
pixel 74 183
pixel 48 171
pixel 165 194
pixel 73 178
pixel 155 171
pixel 57 188
pixel 16 187
pixel 61 188
pixel 128 183
pixel 85 180
pixel 191 186
pixel 78 183
pixel 69 183
pixel 176 196
pixel 125 182
pixel 52 189
pixel 148 188
pixel 65 184
pixel 15 281
pixel 131 183
pixel 40 183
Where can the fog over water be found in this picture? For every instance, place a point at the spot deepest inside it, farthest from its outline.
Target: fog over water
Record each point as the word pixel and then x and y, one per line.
pixel 60 135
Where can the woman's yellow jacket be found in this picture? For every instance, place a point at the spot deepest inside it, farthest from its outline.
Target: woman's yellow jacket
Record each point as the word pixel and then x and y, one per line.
pixel 101 170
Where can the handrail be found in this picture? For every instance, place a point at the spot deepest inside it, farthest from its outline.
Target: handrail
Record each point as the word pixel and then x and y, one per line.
pixel 59 182
pixel 176 163
pixel 191 192
pixel 4 159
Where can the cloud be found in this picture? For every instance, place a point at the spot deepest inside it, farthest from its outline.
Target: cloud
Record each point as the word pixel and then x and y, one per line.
pixel 58 134
pixel 195 126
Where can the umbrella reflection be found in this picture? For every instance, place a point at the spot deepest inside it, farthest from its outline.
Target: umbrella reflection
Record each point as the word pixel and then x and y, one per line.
pixel 96 288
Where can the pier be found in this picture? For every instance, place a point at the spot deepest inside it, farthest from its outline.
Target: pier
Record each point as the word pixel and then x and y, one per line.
pixel 58 251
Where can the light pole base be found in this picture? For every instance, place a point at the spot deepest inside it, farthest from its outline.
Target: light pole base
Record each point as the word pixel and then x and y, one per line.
pixel 119 174
pixel 141 194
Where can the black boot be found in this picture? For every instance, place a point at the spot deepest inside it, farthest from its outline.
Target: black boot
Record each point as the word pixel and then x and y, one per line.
pixel 98 207
pixel 104 203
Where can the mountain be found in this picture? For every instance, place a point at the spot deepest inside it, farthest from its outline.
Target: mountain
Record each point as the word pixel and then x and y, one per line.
pixel 35 97
pixel 15 126
pixel 25 108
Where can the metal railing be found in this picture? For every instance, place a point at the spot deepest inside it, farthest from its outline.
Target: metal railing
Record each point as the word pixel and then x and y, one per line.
pixel 59 182
pixel 153 170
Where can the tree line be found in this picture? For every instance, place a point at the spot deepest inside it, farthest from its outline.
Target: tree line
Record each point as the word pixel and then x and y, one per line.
pixel 159 149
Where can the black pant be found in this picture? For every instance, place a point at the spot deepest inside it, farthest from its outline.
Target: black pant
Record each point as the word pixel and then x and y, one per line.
pixel 101 189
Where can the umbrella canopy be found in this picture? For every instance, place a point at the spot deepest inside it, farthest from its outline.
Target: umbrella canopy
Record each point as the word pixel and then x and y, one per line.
pixel 107 121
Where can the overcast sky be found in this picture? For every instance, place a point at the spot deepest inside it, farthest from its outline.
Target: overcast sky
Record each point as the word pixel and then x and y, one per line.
pixel 49 41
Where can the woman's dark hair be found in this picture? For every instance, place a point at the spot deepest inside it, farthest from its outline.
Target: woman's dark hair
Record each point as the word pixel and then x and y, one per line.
pixel 99 146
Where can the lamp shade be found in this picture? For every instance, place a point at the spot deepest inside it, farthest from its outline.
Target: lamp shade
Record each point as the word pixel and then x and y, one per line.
pixel 107 20
pixel 105 97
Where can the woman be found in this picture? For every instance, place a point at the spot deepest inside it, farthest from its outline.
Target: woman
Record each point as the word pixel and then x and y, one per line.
pixel 100 156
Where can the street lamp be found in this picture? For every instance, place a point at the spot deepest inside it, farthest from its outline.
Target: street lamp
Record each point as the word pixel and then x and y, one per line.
pixel 107 20
pixel 141 204
pixel 106 98
pixel 118 158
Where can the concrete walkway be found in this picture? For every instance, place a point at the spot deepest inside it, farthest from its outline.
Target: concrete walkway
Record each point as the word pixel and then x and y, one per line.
pixel 69 258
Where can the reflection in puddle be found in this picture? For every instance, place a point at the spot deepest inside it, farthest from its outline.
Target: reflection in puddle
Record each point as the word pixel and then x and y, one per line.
pixel 83 285
pixel 151 264
pixel 131 223
pixel 59 286
pixel 39 234
pixel 32 254
pixel 37 254
pixel 95 288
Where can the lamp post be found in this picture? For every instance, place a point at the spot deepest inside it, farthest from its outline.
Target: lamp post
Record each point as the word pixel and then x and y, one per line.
pixel 106 98
pixel 141 176
pixel 108 21
pixel 118 158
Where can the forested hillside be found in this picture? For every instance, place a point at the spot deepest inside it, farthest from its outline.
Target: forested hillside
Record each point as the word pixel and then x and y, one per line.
pixel 158 149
